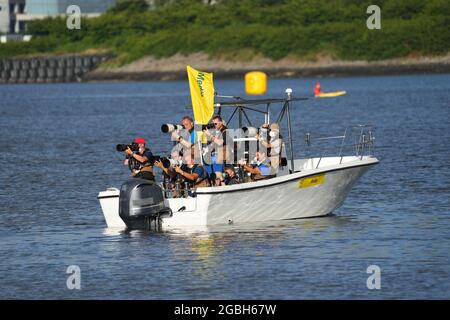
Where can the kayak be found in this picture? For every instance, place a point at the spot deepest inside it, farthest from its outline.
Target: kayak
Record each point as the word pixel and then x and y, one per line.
pixel 330 94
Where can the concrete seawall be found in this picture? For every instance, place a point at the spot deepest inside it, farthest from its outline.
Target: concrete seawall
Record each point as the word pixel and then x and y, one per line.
pixel 48 69
pixel 174 68
pixel 334 71
pixel 85 68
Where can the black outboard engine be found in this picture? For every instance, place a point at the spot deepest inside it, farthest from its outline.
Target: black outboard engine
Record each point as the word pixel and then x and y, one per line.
pixel 141 204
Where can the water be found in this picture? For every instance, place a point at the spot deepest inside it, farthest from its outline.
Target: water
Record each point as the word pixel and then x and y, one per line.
pixel 57 152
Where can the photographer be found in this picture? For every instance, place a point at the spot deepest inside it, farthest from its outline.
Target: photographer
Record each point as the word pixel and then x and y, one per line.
pixel 186 141
pixel 218 147
pixel 176 159
pixel 193 173
pixel 272 141
pixel 171 180
pixel 230 176
pixel 138 160
pixel 260 169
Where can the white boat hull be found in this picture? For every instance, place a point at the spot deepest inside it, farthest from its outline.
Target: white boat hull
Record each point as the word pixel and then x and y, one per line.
pixel 281 198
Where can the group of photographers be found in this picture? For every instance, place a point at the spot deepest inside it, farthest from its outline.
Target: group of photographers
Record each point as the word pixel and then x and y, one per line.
pixel 195 164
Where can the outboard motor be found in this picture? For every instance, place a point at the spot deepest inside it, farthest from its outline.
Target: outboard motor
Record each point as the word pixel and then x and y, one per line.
pixel 141 204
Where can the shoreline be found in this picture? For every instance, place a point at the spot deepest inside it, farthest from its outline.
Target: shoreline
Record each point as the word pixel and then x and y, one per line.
pixel 97 68
pixel 174 68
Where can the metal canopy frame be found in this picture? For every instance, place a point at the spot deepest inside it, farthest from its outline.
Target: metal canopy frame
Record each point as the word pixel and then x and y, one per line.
pixel 242 105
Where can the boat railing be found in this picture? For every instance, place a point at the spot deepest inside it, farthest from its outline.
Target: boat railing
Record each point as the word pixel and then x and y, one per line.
pixel 357 140
pixel 177 189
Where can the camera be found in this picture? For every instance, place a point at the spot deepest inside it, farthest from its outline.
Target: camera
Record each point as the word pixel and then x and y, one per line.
pixel 168 127
pixel 175 163
pixel 208 126
pixel 250 131
pixel 263 132
pixel 122 147
pixel 166 162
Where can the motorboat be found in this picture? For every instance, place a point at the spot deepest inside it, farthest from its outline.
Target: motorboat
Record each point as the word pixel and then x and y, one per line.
pixel 302 188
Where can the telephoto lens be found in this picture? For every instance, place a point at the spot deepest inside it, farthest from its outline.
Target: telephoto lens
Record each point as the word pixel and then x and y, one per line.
pixel 165 162
pixel 208 126
pixel 250 131
pixel 121 147
pixel 175 163
pixel 134 146
pixel 168 127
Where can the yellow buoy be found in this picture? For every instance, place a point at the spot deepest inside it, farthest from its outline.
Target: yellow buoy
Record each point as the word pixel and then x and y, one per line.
pixel 255 83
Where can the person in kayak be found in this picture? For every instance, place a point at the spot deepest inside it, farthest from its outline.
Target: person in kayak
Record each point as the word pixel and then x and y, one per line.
pixel 317 90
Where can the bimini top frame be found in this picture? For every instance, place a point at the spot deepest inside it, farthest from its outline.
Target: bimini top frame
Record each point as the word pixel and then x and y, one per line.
pixel 241 105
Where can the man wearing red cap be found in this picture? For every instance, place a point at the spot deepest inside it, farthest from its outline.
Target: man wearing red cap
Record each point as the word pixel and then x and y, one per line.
pixel 139 161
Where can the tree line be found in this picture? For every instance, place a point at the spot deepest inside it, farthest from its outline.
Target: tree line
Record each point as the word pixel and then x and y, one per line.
pixel 240 29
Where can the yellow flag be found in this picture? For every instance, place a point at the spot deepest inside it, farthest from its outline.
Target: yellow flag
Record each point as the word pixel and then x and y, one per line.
pixel 202 95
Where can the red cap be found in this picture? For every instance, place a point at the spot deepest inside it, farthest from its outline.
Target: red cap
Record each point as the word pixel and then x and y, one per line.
pixel 139 140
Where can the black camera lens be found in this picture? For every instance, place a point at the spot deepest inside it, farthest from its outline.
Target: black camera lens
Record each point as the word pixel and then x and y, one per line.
pixel 134 146
pixel 208 126
pixel 121 147
pixel 165 162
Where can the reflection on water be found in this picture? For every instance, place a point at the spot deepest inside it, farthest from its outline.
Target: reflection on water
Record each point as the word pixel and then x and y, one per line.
pixel 113 232
pixel 204 247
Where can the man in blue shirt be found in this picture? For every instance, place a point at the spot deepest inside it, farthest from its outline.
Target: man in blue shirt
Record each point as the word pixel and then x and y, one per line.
pixel 188 124
pixel 261 169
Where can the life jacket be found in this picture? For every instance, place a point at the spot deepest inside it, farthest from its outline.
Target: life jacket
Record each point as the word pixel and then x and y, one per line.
pixel 142 170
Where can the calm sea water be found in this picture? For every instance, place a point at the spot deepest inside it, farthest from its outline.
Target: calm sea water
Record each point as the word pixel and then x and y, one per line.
pixel 57 152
